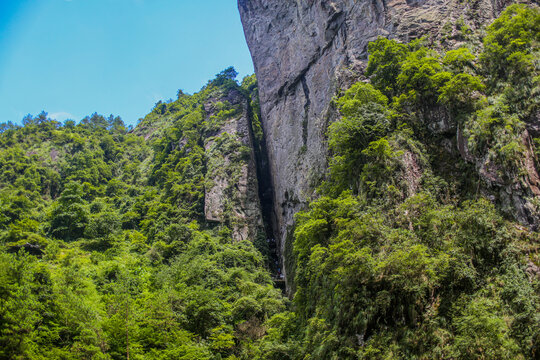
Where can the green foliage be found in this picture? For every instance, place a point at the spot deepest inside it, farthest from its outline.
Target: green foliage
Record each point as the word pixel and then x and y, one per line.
pixel 482 332
pixel 510 59
pixel 496 131
pixel 459 59
pixel 226 78
pixel 382 162
pixel 397 282
pixel 365 119
pixel 421 75
pixel 384 63
pixel 460 93
pixel 510 46
pixel 70 216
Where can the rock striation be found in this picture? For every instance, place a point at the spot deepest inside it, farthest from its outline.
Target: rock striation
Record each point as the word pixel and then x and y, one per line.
pixel 303 51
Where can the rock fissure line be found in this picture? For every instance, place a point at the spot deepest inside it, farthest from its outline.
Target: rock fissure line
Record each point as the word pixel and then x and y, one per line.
pixel 306 111
pixel 266 197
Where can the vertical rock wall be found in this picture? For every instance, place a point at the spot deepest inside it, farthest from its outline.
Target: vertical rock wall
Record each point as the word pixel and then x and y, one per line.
pixel 303 50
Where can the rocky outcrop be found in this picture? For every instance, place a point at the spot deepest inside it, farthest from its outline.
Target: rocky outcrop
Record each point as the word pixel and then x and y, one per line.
pixel 231 188
pixel 304 50
pixel 517 189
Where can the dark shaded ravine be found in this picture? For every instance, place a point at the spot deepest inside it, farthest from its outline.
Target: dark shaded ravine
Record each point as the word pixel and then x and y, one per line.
pixel 266 198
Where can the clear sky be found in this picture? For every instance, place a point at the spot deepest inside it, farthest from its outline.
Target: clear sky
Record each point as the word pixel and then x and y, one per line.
pixel 75 57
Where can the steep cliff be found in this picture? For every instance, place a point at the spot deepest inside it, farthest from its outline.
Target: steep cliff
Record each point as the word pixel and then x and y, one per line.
pixel 304 51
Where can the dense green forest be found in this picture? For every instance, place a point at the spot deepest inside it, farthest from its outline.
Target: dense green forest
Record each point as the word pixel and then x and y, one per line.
pixel 106 252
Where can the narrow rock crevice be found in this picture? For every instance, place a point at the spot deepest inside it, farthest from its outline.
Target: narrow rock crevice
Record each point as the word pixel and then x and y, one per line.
pixel 266 198
pixel 307 105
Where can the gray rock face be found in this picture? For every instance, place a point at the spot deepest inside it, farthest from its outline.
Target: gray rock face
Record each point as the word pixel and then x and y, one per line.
pixel 231 188
pixel 304 50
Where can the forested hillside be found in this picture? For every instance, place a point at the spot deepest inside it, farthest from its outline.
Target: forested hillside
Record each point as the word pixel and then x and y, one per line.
pixel 106 251
pixel 157 242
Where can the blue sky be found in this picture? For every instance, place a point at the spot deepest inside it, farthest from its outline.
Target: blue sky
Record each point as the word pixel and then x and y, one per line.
pixel 75 57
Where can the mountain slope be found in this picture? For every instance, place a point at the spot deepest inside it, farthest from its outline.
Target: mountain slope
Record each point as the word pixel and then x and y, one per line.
pixel 403 190
pixel 305 52
pixel 143 244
